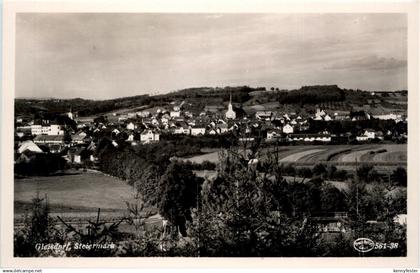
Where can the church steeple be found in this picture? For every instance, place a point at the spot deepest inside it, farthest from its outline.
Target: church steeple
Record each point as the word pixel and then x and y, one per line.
pixel 70 114
pixel 230 114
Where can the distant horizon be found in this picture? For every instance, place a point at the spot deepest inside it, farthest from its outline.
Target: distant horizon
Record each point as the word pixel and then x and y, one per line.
pixel 107 55
pixel 233 86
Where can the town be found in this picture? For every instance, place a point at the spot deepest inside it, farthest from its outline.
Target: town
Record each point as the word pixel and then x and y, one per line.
pixel 76 139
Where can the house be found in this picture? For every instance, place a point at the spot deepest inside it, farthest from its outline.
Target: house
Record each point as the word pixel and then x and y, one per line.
pixel 263 115
pixel 319 114
pixel 188 114
pixel 233 127
pixel 182 128
pixel 20 134
pixel 56 129
pixel 273 134
pixel 130 137
pixel 327 118
pixel 310 137
pixel 379 135
pixel 359 115
pixel 370 133
pixel 175 114
pixel 148 136
pixel 331 222
pixel 80 138
pixel 47 139
pixel 165 119
pixel 79 154
pixel 198 130
pixel 341 116
pixel 54 143
pixel 212 132
pixel 143 114
pixel 362 138
pixel 37 127
pixel 288 129
pixel 222 128
pixel 29 145
pixel 246 139
pixel 401 219
pixel 131 126
pixel 388 116
pixel 115 132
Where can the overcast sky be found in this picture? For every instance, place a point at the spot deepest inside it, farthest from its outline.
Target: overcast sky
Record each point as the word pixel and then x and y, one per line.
pixel 103 56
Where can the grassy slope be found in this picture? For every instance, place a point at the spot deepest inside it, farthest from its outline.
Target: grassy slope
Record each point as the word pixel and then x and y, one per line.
pixel 81 193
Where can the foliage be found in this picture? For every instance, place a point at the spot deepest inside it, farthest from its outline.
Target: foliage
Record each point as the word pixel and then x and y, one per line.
pixel 178 193
pixel 399 177
pixel 36 229
pixel 312 95
pixel 40 164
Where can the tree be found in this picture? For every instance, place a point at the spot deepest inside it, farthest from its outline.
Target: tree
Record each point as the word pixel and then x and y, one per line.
pixel 36 230
pixel 178 190
pixel 332 199
pixel 243 214
pixel 399 177
pixel 363 172
pixel 319 169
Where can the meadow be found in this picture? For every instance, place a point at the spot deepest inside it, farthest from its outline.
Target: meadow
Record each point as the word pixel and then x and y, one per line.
pixel 83 192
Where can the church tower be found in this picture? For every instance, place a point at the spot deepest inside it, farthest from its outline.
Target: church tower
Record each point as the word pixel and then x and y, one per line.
pixel 70 114
pixel 230 114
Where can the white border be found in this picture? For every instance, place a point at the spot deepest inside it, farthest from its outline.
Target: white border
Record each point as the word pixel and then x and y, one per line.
pixel 205 6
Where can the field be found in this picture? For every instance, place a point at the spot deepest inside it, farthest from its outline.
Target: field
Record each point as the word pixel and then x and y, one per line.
pixel 81 192
pixel 77 197
pixel 74 196
pixel 380 155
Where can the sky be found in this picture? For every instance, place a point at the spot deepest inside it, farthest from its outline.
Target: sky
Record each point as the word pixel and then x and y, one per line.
pixel 103 56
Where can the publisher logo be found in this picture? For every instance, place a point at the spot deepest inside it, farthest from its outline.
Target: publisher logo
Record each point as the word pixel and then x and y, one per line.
pixel 363 245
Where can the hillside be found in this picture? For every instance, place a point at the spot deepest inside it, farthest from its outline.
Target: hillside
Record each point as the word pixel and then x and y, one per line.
pixel 302 100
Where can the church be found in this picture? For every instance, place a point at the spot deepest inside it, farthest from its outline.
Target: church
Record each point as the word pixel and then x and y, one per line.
pixel 230 114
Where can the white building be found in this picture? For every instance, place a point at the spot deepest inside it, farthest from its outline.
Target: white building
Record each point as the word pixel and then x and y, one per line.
pixel 56 130
pixel 36 129
pixel 388 116
pixel 273 134
pixel 29 145
pixel 148 136
pixel 143 114
pixel 47 129
pixel 175 114
pixel 370 134
pixel 196 131
pixel 327 117
pixel 367 135
pixel 288 129
pixel 131 126
pixel 264 115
